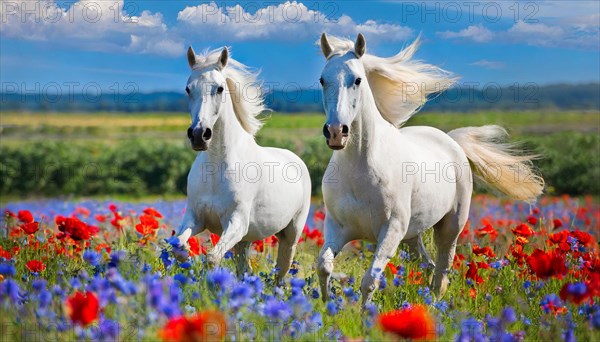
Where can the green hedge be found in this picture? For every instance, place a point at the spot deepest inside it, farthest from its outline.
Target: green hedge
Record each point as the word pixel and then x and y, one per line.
pixel 146 167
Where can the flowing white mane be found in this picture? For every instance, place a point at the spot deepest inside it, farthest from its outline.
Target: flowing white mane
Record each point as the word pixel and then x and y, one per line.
pixel 400 85
pixel 244 88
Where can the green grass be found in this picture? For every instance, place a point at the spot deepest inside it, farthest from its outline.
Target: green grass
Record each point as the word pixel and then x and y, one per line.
pixel 110 127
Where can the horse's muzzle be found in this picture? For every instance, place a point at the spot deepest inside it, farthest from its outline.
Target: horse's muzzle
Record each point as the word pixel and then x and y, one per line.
pixel 336 135
pixel 199 137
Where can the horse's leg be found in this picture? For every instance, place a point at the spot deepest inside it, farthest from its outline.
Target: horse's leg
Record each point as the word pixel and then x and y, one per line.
pixel 235 228
pixel 389 240
pixel 288 240
pixel 446 234
pixel 335 240
pixel 241 258
pixel 416 249
pixel 189 227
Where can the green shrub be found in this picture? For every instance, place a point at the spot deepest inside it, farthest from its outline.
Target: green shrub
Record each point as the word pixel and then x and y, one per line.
pixel 570 164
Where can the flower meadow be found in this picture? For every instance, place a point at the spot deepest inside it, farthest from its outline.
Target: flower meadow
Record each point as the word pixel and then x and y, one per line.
pixel 97 270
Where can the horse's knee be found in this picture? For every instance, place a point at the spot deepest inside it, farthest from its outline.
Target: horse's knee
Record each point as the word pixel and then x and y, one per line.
pixel 325 262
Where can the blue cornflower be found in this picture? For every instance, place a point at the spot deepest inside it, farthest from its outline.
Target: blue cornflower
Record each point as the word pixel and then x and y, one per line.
pixel 426 294
pixel 382 283
pixel 508 315
pixel 39 285
pixel 254 282
pixel 221 278
pixel 297 283
pixel 91 257
pixel 242 294
pixel 75 283
pixel 398 281
pixel 166 259
pixel 185 265
pixel 7 269
pixel 228 255
pixel 314 293
pixel 293 271
pixel 332 308
pixel 441 305
pixel 471 330
pixel 181 278
pixel 116 257
pixel 277 310
pixel 10 289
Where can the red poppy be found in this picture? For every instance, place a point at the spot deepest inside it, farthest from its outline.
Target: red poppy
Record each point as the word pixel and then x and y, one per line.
pixel 30 228
pixel 487 229
pixel 546 265
pixel 35 266
pixel 152 212
pixel 472 273
pixel 523 230
pixel 532 220
pixel 214 238
pixel 25 216
pixel 203 326
pixel 315 235
pixel 147 225
pixel 83 308
pixel 5 254
pixel 575 293
pixel 487 251
pixel 415 277
pixel 458 259
pixel 319 215
pixel 100 218
pixel 414 323
pixel 392 268
pixel 194 246
pixel 82 211
pixel 271 240
pixel 583 237
pixel 75 228
pixel 259 246
pixel 557 223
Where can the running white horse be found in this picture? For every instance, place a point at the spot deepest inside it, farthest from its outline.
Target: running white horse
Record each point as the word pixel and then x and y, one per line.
pixel 236 188
pixel 387 184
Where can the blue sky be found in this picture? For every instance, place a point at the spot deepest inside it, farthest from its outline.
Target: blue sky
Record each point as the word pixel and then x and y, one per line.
pixel 111 43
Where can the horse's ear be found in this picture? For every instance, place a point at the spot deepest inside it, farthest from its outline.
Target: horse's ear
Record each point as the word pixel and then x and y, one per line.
pixel 223 58
pixel 325 47
pixel 360 46
pixel 191 55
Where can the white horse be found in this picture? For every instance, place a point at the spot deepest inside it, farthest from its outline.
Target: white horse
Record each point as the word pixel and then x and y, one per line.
pixel 236 188
pixel 388 184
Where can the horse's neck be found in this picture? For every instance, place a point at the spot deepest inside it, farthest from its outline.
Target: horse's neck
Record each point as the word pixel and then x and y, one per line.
pixel 229 136
pixel 366 128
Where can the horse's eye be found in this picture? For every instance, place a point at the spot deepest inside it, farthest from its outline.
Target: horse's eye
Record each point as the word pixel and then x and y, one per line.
pixel 187 90
pixel 357 81
pixel 219 90
pixel 321 81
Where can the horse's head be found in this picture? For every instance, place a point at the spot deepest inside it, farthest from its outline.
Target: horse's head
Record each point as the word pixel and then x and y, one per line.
pixel 206 89
pixel 341 80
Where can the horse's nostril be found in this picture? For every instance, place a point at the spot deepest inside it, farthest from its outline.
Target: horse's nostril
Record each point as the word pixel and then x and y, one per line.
pixel 326 131
pixel 207 134
pixel 190 133
pixel 345 130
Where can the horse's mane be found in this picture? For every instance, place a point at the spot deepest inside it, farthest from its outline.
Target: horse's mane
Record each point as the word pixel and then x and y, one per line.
pixel 400 85
pixel 244 87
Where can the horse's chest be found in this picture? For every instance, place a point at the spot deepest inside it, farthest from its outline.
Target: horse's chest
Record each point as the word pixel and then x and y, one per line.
pixel 359 203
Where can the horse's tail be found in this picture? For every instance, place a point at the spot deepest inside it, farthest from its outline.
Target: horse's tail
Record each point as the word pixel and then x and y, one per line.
pixel 498 163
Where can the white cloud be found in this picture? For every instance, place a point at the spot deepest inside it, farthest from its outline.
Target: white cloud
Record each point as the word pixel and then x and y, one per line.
pixel 476 33
pixel 569 29
pixel 89 24
pixel 106 26
pixel 290 21
pixel 484 63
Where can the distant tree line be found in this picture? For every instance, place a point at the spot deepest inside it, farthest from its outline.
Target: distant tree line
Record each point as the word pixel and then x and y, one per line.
pixel 463 98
